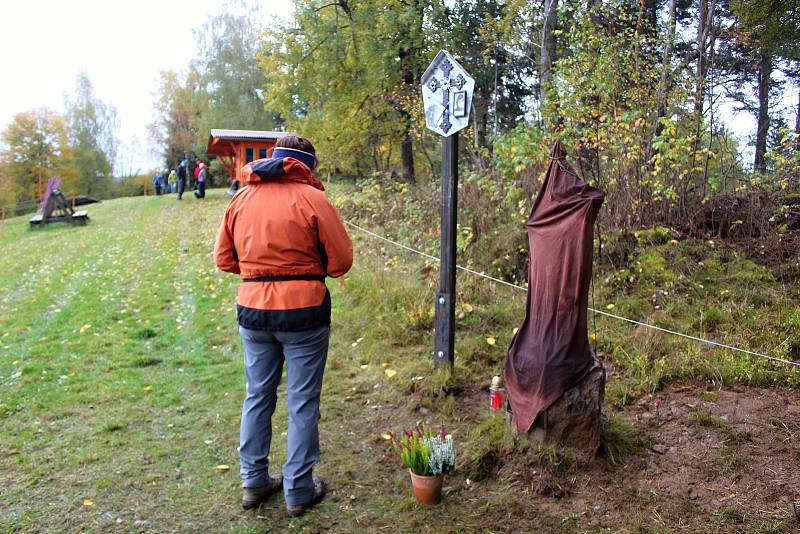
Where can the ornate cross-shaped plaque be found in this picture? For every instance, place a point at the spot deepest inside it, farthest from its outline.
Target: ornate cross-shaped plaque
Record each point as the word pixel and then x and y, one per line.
pixel 446 95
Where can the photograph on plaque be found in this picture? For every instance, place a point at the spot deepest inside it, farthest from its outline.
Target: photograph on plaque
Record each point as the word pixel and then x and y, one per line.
pixel 460 104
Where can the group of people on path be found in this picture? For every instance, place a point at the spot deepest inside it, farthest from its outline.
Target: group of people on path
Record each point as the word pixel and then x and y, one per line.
pixel 178 178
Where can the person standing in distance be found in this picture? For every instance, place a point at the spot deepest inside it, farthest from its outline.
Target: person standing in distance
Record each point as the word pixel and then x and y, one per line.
pixel 283 236
pixel 183 173
pixel 202 176
pixel 172 181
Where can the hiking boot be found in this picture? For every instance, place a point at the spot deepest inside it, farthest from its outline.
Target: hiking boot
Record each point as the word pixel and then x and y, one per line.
pixel 319 493
pixel 253 497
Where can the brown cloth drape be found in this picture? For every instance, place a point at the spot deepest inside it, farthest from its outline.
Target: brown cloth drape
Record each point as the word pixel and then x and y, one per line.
pixel 550 353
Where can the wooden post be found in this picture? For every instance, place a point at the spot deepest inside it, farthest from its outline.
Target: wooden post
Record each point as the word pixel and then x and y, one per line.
pixel 446 298
pixel 3 218
pixel 145 188
pixel 447 100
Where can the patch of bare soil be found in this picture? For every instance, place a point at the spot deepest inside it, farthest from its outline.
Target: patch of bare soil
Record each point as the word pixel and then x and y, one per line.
pixel 711 460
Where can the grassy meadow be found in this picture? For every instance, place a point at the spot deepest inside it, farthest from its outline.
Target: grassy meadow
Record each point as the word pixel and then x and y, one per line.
pixel 121 383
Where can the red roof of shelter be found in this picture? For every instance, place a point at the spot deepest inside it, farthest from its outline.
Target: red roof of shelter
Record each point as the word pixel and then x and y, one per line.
pixel 247 134
pixel 220 141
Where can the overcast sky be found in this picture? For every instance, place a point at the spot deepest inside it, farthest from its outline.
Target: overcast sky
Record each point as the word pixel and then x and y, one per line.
pixel 122 46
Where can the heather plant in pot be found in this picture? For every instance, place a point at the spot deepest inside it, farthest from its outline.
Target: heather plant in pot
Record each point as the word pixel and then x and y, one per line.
pixel 428 456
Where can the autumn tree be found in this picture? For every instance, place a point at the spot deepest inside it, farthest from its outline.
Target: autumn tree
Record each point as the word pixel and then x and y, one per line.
pixel 36 148
pixel 358 63
pixel 342 74
pixel 7 193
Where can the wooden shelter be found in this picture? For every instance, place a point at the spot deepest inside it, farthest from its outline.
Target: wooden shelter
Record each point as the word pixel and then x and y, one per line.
pixel 236 148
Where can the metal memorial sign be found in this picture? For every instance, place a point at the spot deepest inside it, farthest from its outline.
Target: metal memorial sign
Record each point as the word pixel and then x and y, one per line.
pixel 447 96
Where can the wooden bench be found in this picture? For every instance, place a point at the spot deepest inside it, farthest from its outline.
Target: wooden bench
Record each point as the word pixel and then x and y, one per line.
pixel 57 209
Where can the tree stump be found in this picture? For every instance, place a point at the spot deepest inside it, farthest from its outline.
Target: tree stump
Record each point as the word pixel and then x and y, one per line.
pixel 574 419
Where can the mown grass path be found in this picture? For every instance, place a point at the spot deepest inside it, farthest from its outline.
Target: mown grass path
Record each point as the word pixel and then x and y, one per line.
pixel 121 387
pixel 121 382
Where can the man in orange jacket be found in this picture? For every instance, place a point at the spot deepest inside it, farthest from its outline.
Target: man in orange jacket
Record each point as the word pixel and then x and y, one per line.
pixel 281 234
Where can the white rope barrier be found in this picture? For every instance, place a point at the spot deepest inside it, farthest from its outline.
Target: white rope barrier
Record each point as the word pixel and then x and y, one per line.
pixel 515 286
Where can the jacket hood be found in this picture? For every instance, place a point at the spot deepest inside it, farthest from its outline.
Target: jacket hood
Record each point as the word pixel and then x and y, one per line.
pixel 279 170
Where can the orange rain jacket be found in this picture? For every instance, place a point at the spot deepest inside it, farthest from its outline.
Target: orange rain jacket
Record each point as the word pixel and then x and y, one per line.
pixel 283 236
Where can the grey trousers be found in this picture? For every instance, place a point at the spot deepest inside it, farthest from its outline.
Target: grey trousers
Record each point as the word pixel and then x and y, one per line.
pixel 305 353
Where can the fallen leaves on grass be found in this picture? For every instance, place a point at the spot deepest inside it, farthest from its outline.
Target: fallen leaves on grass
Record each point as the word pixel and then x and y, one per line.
pixel 222 468
pixel 390 373
pixel 490 340
pixel 148 389
pixel 88 502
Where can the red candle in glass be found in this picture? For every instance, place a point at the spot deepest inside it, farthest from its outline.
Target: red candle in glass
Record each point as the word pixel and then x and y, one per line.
pixel 496 394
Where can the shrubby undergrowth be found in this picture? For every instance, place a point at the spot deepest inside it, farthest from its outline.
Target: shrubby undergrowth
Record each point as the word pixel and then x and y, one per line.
pixel 708 287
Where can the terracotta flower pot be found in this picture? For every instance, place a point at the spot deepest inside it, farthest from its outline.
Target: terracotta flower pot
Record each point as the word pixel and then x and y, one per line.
pixel 428 490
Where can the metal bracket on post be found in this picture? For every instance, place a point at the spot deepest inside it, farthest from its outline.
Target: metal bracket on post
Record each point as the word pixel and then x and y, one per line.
pixel 445 329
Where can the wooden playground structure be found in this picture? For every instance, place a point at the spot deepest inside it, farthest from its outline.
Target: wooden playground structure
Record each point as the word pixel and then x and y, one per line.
pixel 56 208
